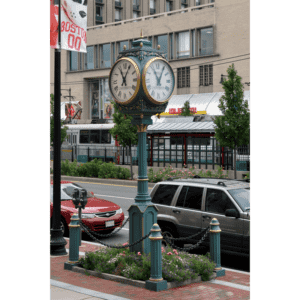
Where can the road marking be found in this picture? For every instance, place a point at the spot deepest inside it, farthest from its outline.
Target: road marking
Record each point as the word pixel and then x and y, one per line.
pixel 108 184
pixel 113 196
pixel 237 271
pixel 234 285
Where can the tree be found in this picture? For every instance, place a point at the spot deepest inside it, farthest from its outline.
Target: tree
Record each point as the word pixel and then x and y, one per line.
pixel 233 127
pixel 124 132
pixel 185 111
pixel 63 132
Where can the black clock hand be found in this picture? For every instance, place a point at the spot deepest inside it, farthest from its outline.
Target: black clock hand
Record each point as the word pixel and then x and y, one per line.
pixel 160 76
pixel 126 75
pixel 122 76
pixel 155 75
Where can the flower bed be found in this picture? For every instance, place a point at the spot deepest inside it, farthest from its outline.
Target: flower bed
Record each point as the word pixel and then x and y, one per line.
pixel 178 268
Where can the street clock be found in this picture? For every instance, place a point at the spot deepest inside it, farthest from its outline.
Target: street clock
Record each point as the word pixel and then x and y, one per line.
pixel 158 80
pixel 124 80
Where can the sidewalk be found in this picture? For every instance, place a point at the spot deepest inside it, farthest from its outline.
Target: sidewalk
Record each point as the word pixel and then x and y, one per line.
pixel 70 285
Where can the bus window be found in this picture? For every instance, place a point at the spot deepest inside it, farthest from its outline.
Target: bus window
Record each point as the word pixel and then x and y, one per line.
pixel 84 136
pixel 95 136
pixel 106 137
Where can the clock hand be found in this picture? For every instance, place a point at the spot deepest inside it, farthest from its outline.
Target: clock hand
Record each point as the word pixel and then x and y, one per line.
pixel 122 76
pixel 155 75
pixel 126 74
pixel 160 76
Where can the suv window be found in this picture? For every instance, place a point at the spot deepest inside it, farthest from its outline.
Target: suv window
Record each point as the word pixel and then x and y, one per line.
pixel 217 201
pixel 190 197
pixel 164 194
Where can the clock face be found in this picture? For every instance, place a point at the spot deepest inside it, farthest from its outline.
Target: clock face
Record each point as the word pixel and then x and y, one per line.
pixel 124 80
pixel 158 80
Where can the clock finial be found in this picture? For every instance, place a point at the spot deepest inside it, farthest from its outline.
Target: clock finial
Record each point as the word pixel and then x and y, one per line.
pixel 141 33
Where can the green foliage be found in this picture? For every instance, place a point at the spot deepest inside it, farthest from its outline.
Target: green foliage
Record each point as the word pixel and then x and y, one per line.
pixel 167 172
pixel 176 266
pixel 63 132
pixel 247 176
pixel 94 168
pixel 186 109
pixel 233 127
pixel 124 132
pixel 51 171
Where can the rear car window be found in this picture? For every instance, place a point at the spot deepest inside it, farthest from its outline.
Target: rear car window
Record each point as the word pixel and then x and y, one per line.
pixel 217 202
pixel 190 197
pixel 242 197
pixel 164 194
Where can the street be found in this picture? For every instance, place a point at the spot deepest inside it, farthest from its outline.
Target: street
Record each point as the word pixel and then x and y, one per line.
pixel 124 197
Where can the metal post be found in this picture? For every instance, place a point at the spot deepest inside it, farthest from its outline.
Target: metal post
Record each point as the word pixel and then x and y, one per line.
pixel 80 234
pixel 74 229
pixel 215 247
pixel 156 282
pixel 105 154
pixel 57 243
pixel 88 154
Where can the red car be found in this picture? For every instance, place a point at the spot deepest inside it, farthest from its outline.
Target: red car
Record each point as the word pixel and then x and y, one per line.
pixel 99 215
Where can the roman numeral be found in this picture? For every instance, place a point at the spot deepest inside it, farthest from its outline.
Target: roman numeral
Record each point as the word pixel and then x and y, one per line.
pixel 149 87
pixel 166 73
pixel 135 79
pixel 120 93
pixel 158 96
pixel 148 80
pixel 148 73
pixel 115 74
pixel 129 93
pixel 125 66
pixel 153 93
pixel 132 72
pixel 167 88
pixel 164 94
pixel 115 82
pixel 133 87
pixel 116 88
pixel 157 66
pixel 124 96
pixel 168 81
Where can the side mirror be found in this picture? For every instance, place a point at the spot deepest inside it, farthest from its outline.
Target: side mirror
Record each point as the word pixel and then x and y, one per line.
pixel 232 213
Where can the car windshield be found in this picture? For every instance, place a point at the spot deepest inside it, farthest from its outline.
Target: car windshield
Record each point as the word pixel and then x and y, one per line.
pixel 242 197
pixel 65 194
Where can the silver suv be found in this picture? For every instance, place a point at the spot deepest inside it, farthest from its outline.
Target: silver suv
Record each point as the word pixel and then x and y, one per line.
pixel 185 206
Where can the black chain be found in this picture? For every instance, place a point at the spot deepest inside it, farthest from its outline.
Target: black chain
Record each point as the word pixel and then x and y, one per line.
pixel 190 248
pixel 111 246
pixel 112 233
pixel 188 237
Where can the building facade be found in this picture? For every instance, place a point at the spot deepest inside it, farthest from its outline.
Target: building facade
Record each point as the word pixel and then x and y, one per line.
pixel 200 39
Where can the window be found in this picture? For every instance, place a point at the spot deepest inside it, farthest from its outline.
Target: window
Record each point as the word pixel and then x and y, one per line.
pixel 190 197
pixel 162 40
pixel 183 44
pixel 171 46
pixel 118 15
pixel 169 5
pixel 105 137
pixel 217 202
pixel 105 56
pixel 94 136
pixel 99 16
pixel 193 43
pixel 152 7
pixel 206 41
pixel 135 14
pixel 90 58
pixel 84 137
pixel 164 194
pixel 73 61
pixel 197 2
pixel 121 45
pixel 206 75
pixel 183 77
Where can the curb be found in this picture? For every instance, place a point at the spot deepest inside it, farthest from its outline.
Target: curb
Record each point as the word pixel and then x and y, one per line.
pixel 137 283
pixel 102 180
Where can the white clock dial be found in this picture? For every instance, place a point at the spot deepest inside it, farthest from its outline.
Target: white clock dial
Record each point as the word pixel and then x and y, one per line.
pixel 158 80
pixel 124 80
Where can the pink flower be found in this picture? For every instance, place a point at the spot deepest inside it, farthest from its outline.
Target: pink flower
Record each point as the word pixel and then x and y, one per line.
pixel 175 251
pixel 169 253
pixel 125 244
pixel 139 253
pixel 163 249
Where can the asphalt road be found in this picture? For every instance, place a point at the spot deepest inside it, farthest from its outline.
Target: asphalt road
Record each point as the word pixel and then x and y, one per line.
pixel 124 197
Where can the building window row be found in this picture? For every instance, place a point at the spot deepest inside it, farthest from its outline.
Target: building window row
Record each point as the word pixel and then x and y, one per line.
pixel 206 75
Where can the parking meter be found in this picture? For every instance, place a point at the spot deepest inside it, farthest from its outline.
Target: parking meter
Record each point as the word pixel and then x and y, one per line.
pixel 80 200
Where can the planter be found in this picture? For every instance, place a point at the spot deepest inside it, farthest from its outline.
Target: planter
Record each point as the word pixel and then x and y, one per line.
pixel 137 283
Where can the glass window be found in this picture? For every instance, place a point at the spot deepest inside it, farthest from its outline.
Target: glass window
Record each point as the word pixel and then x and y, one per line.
pixel 84 137
pixel 164 194
pixel 135 14
pixel 114 52
pixel 94 94
pixel 152 4
pixel 193 198
pixel 95 136
pixel 98 11
pixel 121 44
pixel 193 43
pixel 73 61
pixel 108 106
pixel 162 40
pixel 90 58
pixel 117 14
pixel 168 5
pixel 197 2
pixel 206 41
pixel 183 44
pixel 242 197
pixel 135 2
pixel 105 137
pixel 171 46
pixel 106 61
pixel 217 202
pixel 181 197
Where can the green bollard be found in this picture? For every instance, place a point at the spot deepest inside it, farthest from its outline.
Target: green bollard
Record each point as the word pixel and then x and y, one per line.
pixel 215 247
pixel 74 229
pixel 156 282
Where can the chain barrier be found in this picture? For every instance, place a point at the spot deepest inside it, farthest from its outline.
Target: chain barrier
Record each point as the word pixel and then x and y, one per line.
pixel 112 233
pixel 168 240
pixel 111 246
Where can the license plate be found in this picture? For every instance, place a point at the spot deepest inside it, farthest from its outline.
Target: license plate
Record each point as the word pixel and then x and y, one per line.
pixel 109 223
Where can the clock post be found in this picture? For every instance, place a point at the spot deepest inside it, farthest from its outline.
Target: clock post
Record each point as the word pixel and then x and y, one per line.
pixel 141 83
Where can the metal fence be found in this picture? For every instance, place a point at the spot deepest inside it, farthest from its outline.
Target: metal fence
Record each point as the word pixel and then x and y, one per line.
pixel 208 156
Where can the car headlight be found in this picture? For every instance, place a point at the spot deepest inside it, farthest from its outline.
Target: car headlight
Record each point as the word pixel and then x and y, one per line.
pixel 87 216
pixel 119 211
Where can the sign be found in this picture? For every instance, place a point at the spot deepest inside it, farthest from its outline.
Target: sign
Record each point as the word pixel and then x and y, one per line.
pixel 73 25
pixel 174 111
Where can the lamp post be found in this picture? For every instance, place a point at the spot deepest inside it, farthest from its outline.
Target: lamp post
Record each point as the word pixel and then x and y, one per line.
pixel 141 83
pixel 57 242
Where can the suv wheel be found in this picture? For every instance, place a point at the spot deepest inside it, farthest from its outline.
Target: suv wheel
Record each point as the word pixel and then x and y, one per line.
pixel 170 232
